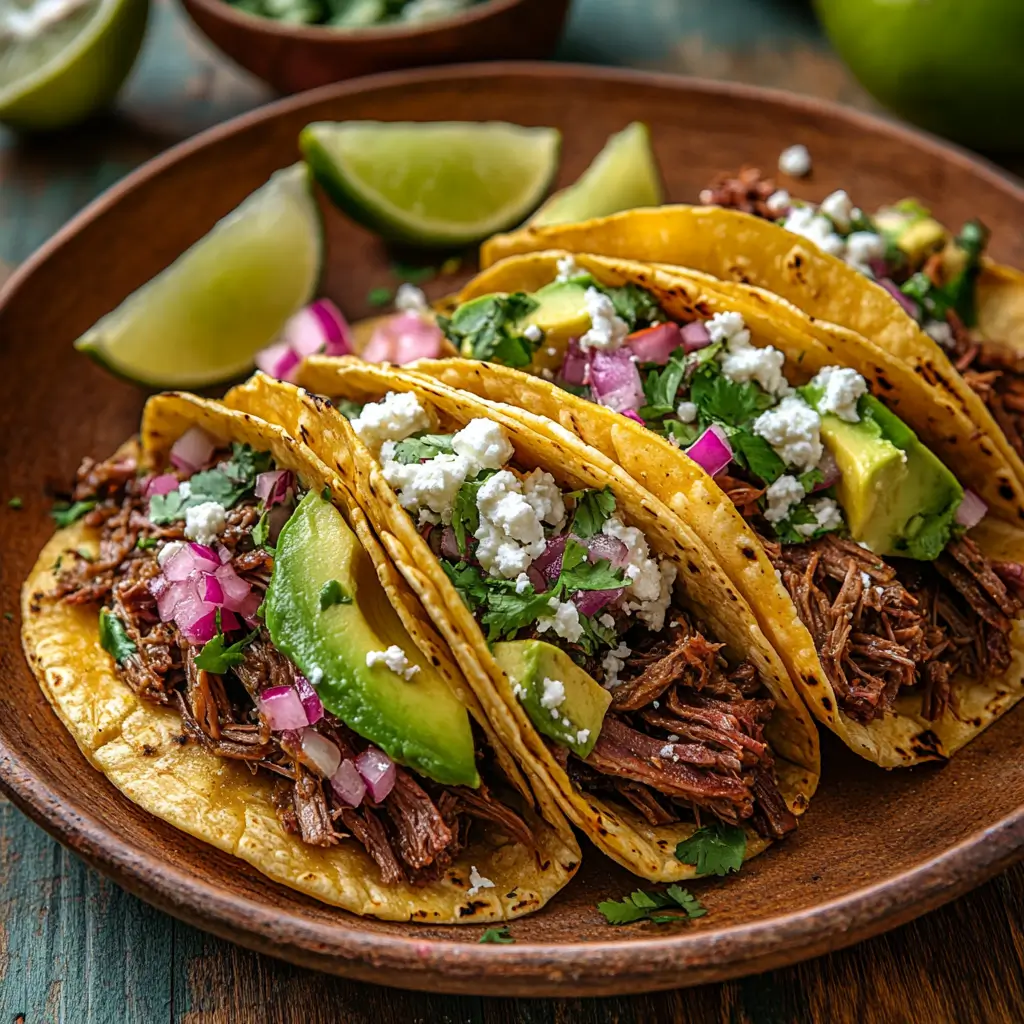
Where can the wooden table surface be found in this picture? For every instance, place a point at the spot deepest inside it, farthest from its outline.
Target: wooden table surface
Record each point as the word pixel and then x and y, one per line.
pixel 75 949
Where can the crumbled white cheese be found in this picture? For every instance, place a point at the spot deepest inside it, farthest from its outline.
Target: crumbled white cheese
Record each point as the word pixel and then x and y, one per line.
pixel 565 622
pixel 552 693
pixel 839 209
pixel 793 429
pixel 477 882
pixel 612 665
pixel 667 751
pixel 547 374
pixel 523 583
pixel 395 417
pixel 185 488
pixel 427 518
pixel 582 736
pixel 607 329
pixel 741 361
pixel 782 495
pixel 567 268
pixel 827 516
pixel 204 523
pixel 795 161
pixel 533 333
pixel 778 203
pixel 410 299
pixel 608 621
pixel 316 675
pixel 673 738
pixel 483 443
pixel 815 227
pixel 861 248
pixel 511 534
pixel 686 411
pixel 393 658
pixel 939 331
pixel 728 327
pixel 841 389
pixel 649 590
pixel 865 579
pixel 541 490
pixel 168 551
pixel 432 484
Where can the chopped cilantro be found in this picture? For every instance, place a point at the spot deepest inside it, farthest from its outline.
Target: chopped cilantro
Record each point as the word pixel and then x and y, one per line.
pixel 332 593
pixel 468 581
pixel 215 657
pixel 114 638
pixel 593 508
pixel 634 305
pixel 756 454
pixel 349 409
pixel 498 935
pixel 684 434
pixel 15 502
pixel 811 479
pixel 261 531
pixel 580 574
pixel 145 543
pixel 325 494
pixel 425 446
pixel 65 514
pixel 85 554
pixel 412 274
pixel 486 329
pixel 721 400
pixel 799 515
pixel 378 297
pixel 594 635
pixel 9 616
pixel 715 849
pixel 465 515
pixel 660 387
pixel 166 508
pixel 508 612
pixel 643 906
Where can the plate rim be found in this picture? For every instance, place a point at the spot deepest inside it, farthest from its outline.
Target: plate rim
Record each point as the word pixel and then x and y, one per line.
pixel 613 966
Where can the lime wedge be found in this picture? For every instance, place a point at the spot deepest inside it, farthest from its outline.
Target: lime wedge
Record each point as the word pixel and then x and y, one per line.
pixel 60 60
pixel 438 184
pixel 623 176
pixel 203 319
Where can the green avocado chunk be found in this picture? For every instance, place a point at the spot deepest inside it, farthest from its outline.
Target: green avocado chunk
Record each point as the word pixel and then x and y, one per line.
pixel 554 691
pixel 898 498
pixel 913 229
pixel 417 721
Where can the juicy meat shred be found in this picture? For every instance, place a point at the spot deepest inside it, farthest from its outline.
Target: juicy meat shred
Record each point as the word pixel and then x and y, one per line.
pixel 746 190
pixel 413 835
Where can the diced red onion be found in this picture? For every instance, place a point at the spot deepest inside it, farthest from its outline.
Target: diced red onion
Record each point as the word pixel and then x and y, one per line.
pixel 615 380
pixel 635 416
pixel 272 487
pixel 378 772
pixel 971 511
pixel 611 549
pixel 576 365
pixel 163 484
pixel 695 336
pixel 319 328
pixel 234 589
pixel 348 784
pixel 830 471
pixel 404 338
pixel 321 752
pixel 549 562
pixel 449 544
pixel 711 451
pixel 211 589
pixel 310 701
pixel 878 267
pixel 179 565
pixel 910 307
pixel 222 553
pixel 656 344
pixel 282 708
pixel 204 558
pixel 229 621
pixel 540 584
pixel 199 630
pixel 249 607
pixel 192 450
pixel 278 360
pixel 590 602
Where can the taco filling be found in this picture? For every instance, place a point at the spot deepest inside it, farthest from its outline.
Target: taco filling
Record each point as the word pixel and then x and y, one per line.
pixel 203 578
pixel 632 696
pixel 932 273
pixel 862 522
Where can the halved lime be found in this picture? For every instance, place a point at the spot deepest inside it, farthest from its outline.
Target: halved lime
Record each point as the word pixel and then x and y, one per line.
pixel 202 319
pixel 446 183
pixel 623 176
pixel 60 60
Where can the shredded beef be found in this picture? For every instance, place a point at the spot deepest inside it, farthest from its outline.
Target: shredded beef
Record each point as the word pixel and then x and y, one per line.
pixel 746 190
pixel 418 829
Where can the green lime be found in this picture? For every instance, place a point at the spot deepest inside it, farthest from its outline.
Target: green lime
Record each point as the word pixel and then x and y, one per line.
pixel 60 60
pixel 438 184
pixel 623 176
pixel 955 67
pixel 203 319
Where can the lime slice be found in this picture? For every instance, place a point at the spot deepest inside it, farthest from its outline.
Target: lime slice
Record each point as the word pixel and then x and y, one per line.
pixel 203 319
pixel 439 184
pixel 623 176
pixel 60 60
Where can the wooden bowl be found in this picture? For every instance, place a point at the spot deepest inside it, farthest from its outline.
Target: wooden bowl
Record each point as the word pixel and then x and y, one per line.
pixel 875 848
pixel 297 57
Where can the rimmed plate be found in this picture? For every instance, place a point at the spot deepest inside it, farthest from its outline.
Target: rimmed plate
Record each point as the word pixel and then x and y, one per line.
pixel 875 849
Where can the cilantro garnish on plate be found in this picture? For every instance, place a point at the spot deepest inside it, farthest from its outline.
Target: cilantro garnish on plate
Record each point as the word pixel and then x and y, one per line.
pixel 715 849
pixel 674 904
pixel 498 935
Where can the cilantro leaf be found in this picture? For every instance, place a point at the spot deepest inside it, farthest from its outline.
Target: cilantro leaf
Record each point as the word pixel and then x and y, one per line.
pixel 715 849
pixel 378 297
pixel 687 901
pixel 799 515
pixel 114 638
pixel 811 479
pixel 425 446
pixel 15 503
pixel 724 401
pixel 349 409
pixel 166 508
pixel 261 532
pixel 499 935
pixel 661 387
pixel 594 635
pixel 65 514
pixel 580 574
pixel 465 515
pixel 508 612
pixel 215 657
pixel 684 434
pixel 593 508
pixel 634 305
pixel 145 543
pixel 756 454
pixel 640 906
pixel 468 581
pixel 332 593
pixel 411 273
pixel 486 329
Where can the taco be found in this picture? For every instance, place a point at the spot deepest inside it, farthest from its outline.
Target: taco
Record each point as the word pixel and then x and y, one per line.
pixel 609 649
pixel 790 448
pixel 226 641
pixel 949 290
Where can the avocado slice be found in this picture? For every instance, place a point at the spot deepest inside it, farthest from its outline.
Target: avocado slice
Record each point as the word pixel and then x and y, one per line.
pixel 898 498
pixel 914 230
pixel 418 722
pixel 528 664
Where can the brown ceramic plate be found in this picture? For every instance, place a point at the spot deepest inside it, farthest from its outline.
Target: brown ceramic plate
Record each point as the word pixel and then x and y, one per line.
pixel 874 850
